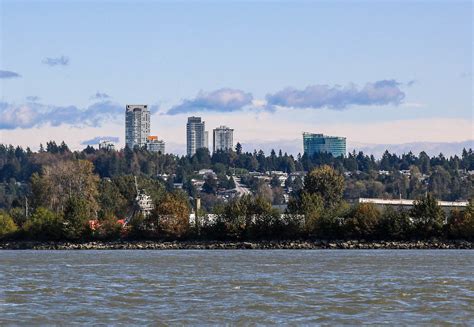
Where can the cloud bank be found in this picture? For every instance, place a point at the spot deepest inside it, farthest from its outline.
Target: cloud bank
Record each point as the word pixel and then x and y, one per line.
pixel 60 61
pixel 4 74
pixel 222 100
pixel 98 139
pixel 35 114
pixel 100 96
pixel 382 92
pixel 32 98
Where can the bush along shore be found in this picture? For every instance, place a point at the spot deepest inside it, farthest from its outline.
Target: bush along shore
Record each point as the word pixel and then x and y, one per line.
pixel 222 245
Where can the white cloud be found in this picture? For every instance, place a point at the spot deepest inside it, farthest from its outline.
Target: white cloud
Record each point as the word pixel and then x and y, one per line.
pixel 414 105
pixel 59 61
pixel 222 100
pixel 33 114
pixel 259 103
pixel 8 74
pixel 379 93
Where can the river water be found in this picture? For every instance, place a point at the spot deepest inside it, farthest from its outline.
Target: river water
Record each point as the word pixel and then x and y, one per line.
pixel 422 287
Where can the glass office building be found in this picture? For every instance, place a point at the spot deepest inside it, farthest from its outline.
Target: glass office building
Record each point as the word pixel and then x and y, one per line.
pixel 318 143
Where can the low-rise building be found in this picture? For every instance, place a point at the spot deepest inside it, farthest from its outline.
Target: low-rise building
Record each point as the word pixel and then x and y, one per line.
pixel 277 173
pixel 407 204
pixel 106 145
pixel 207 173
pixel 405 172
pixel 153 144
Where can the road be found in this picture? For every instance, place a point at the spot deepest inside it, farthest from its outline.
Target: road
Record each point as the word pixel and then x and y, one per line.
pixel 241 190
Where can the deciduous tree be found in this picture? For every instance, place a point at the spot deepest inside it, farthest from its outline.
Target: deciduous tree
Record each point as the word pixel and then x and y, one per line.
pixel 7 225
pixel 327 183
pixel 428 217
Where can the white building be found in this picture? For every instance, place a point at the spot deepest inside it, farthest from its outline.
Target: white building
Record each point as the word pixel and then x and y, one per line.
pixel 137 125
pixel 408 204
pixel 207 173
pixel 223 139
pixel 106 145
pixel 196 135
pixel 155 145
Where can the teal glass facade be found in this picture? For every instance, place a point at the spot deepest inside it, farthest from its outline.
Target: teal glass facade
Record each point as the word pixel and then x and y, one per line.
pixel 317 143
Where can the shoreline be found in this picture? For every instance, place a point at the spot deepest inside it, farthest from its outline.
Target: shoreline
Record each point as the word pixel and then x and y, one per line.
pixel 228 245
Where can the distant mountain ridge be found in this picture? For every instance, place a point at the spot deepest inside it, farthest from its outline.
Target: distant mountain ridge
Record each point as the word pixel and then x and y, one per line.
pixel 431 148
pixel 296 146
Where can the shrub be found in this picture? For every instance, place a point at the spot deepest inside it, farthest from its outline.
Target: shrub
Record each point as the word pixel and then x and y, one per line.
pixel 77 216
pixel 18 215
pixel 109 228
pixel 363 221
pixel 7 225
pixel 461 223
pixel 395 225
pixel 44 225
pixel 265 220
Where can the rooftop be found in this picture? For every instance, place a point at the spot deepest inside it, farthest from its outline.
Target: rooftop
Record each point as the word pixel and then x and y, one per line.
pixel 407 202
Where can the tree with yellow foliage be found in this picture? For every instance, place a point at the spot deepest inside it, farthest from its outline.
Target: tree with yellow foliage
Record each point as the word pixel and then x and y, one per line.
pixel 7 225
pixel 172 214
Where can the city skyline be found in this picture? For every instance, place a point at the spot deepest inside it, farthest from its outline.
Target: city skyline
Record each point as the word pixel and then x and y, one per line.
pixel 403 74
pixel 262 162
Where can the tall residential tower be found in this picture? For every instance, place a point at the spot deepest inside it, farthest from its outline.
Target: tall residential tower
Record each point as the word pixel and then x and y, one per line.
pixel 223 139
pixel 137 125
pixel 196 135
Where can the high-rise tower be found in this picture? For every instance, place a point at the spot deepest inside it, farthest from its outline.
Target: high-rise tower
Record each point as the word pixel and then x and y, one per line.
pixel 196 135
pixel 137 125
pixel 223 139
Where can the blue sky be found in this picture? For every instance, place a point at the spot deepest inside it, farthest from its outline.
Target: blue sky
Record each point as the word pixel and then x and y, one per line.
pixel 270 70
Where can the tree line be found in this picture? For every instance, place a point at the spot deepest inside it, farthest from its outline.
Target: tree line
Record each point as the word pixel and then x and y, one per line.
pixel 446 178
pixel 71 196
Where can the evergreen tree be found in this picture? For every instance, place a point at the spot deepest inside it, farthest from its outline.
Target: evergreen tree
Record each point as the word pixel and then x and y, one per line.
pixel 238 148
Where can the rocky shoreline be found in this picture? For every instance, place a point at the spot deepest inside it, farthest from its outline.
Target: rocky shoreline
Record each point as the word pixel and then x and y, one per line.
pixel 217 245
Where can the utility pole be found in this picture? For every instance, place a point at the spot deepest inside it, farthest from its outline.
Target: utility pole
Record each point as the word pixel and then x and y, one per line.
pixel 197 208
pixel 136 185
pixel 26 207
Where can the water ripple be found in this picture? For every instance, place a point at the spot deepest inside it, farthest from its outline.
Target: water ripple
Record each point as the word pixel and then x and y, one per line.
pixel 426 287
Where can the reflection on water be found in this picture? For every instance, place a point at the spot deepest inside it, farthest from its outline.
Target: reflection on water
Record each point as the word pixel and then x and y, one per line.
pixel 237 287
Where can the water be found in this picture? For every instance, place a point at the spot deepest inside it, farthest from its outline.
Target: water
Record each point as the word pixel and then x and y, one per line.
pixel 237 287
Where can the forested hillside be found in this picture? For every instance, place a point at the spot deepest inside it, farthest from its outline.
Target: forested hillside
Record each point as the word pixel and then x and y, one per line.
pixel 392 176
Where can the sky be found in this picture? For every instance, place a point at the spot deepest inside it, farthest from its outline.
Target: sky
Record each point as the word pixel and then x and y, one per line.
pixel 376 72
